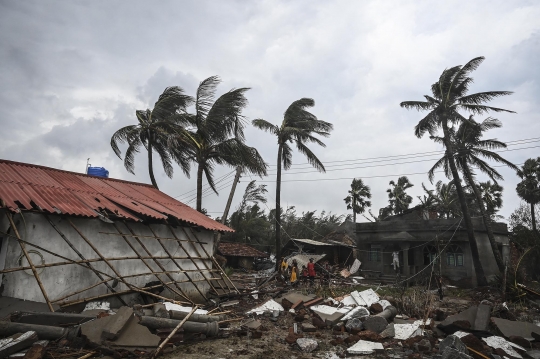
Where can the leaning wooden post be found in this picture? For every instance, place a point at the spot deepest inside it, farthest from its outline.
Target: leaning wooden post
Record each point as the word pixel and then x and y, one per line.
pixel 82 257
pixel 176 263
pixel 214 260
pixel 23 248
pixel 173 332
pixel 181 293
pixel 190 257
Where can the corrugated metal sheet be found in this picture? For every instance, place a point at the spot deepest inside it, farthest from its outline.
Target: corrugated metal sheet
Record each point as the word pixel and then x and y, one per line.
pixel 25 186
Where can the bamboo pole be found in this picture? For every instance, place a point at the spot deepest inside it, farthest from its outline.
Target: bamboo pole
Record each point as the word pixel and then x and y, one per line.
pixel 176 263
pixel 215 262
pixel 81 256
pixel 190 257
pixel 120 277
pixel 141 236
pixel 181 293
pixel 23 248
pixel 173 332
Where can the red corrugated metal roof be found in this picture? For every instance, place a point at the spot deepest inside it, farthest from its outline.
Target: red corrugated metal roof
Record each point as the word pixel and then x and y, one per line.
pixel 239 250
pixel 25 186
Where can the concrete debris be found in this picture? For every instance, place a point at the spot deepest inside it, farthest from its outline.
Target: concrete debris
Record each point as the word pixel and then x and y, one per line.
pixel 496 342
pixel 365 347
pixel 358 312
pixel 102 305
pixel 510 328
pixel 17 342
pixel 180 308
pixel 269 306
pixel 454 342
pixel 307 345
pixel 117 322
pixel 354 325
pixel 406 331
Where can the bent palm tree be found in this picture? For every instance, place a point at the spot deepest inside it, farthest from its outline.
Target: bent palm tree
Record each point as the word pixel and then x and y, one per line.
pixel 469 147
pixel 529 187
pixel 449 96
pixel 154 131
pixel 357 198
pixel 299 126
pixel 215 135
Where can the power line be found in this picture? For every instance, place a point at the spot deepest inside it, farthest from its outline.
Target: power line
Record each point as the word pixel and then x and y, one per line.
pixel 193 190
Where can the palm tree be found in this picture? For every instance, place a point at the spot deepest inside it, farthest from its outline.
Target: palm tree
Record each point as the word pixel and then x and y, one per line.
pixel 398 198
pixel 356 200
pixel 215 135
pixel 446 199
pixel 449 96
pixel 491 194
pixel 299 126
pixel 529 187
pixel 154 131
pixel 469 147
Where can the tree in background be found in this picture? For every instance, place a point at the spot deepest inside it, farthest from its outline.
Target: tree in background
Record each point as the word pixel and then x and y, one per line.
pixel 300 127
pixel 491 194
pixel 397 195
pixel 215 135
pixel 154 131
pixel 529 187
pixel 357 200
pixel 449 97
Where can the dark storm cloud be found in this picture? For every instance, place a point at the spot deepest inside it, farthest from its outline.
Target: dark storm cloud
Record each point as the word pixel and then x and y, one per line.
pixel 74 72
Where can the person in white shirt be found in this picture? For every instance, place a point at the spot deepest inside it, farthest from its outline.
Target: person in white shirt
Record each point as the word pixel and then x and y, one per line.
pixel 395 260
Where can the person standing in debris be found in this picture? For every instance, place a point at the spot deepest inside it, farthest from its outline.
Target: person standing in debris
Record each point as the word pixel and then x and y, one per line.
pixel 294 272
pixel 304 274
pixel 395 260
pixel 311 271
pixel 284 266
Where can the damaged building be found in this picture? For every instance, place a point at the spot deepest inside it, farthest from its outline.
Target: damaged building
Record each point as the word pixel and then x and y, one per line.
pixel 240 255
pixel 413 240
pixel 67 238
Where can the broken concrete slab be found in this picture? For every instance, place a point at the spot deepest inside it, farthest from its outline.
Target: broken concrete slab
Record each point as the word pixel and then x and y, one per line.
pixel 511 328
pixel 136 335
pixel 406 331
pixel 496 342
pixel 180 308
pixel 483 315
pixel 365 347
pixel 269 306
pixel 118 321
pixel 369 296
pixel 454 342
pixel 534 354
pixel 307 345
pixel 294 297
pixel 358 312
pixel 468 315
pixel 252 324
pixel 348 300
pixel 358 299
pixel 329 314
pixel 388 332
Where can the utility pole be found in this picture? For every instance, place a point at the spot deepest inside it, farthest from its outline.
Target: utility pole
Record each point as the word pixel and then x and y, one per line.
pixel 229 201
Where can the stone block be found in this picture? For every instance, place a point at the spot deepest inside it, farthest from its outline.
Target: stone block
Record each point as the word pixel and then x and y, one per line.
pixel 483 315
pixel 453 342
pixel 308 328
pixel 375 324
pixel 118 321
pixel 307 345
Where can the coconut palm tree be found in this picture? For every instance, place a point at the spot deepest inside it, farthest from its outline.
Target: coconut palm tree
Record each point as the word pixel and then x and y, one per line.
pixel 300 127
pixel 398 198
pixel 215 135
pixel 470 147
pixel 357 198
pixel 154 131
pixel 491 193
pixel 529 187
pixel 449 97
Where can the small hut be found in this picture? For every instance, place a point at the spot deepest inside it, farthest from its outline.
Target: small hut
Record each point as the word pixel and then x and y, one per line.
pixel 239 255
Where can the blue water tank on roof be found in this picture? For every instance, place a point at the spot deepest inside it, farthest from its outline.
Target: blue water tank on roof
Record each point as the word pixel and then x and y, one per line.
pixel 98 171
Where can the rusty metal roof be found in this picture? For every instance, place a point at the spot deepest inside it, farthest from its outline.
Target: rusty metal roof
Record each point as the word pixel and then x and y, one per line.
pixel 29 187
pixel 239 250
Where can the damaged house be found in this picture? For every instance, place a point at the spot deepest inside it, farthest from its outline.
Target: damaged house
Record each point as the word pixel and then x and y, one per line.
pixel 416 241
pixel 336 252
pixel 68 238
pixel 240 255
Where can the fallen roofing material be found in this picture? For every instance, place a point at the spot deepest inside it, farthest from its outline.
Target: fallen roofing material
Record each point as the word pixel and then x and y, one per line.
pixel 29 187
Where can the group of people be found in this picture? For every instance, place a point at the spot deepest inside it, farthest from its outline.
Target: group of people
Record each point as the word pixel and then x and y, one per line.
pixel 295 276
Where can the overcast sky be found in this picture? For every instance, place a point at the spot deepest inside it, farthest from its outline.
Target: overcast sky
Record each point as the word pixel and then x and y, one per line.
pixel 73 72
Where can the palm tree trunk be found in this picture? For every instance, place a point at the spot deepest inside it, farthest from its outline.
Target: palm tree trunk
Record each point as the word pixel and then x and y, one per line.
pixel 150 164
pixel 278 208
pixel 229 201
pixel 479 270
pixel 199 187
pixel 485 217
pixel 533 217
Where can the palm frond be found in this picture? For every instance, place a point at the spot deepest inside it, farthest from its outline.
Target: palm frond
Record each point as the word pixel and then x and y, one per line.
pixel 286 156
pixel 123 135
pixel 428 124
pixel 417 105
pixel 310 156
pixel 205 97
pixel 225 118
pixel 129 159
pixel 165 157
pixel 481 97
pixel 265 126
pixel 481 109
pixel 170 102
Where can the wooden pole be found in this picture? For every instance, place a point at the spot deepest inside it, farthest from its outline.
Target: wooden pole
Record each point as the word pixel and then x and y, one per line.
pixel 181 293
pixel 23 248
pixel 190 257
pixel 141 236
pixel 173 332
pixel 215 262
pixel 178 265
pixel 229 202
pixel 82 257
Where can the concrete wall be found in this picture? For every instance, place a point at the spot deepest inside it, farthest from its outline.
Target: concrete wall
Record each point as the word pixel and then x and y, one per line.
pixel 62 280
